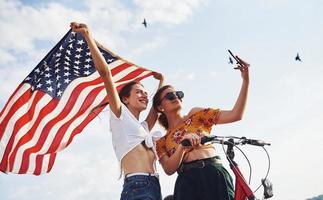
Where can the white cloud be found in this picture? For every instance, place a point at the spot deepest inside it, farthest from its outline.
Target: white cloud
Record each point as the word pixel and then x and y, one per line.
pixel 6 58
pixel 168 11
pixel 154 44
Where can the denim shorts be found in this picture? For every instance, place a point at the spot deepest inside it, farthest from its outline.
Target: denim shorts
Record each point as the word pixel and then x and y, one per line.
pixel 141 187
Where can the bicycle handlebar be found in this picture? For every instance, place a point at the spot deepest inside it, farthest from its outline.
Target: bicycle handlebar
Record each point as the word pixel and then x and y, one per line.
pixel 222 140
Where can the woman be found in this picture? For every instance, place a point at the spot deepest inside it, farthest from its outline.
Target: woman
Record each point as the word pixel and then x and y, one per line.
pixel 200 172
pixel 132 142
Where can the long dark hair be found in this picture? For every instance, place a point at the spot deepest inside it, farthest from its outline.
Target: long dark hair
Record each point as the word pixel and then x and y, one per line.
pixel 123 93
pixel 162 119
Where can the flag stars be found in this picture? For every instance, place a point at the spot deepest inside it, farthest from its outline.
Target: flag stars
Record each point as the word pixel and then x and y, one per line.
pixel 39 85
pixel 80 42
pixel 87 73
pixel 48 82
pixel 79 49
pixel 50 89
pixel 87 66
pixel 76 67
pixel 59 93
pixel 72 60
pixel 47 75
pixel 67 80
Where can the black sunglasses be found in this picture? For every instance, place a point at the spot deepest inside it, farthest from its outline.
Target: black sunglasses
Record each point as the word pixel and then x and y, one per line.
pixel 172 95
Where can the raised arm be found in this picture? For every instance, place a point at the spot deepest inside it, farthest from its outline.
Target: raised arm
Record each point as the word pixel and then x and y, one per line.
pixel 153 114
pixel 102 67
pixel 228 116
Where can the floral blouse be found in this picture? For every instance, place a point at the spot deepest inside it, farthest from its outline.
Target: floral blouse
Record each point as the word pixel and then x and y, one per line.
pixel 200 123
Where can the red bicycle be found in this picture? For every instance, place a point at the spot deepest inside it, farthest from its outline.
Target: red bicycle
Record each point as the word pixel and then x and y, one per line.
pixel 242 188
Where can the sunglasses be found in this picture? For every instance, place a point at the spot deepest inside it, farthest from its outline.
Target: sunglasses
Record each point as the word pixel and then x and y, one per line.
pixel 172 95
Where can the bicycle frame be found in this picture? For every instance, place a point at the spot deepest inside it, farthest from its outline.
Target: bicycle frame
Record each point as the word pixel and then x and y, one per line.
pixel 242 189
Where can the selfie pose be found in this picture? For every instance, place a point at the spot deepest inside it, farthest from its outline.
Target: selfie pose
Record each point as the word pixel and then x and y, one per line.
pixel 200 172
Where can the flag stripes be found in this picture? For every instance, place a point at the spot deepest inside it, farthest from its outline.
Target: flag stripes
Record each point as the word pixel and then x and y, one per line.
pixel 34 126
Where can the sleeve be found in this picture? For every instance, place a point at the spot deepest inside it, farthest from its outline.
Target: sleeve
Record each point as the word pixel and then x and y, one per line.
pixel 161 147
pixel 210 116
pixel 114 117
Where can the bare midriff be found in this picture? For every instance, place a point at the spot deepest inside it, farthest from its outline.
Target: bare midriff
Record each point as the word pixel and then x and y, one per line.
pixel 139 159
pixel 201 152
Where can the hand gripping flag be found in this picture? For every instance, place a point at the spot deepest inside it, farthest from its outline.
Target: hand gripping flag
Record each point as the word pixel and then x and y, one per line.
pixel 54 103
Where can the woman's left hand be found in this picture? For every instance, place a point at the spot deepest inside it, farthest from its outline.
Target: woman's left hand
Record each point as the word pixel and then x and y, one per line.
pixel 158 76
pixel 243 66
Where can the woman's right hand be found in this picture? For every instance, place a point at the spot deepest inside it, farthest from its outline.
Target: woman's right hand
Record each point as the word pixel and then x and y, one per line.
pixel 79 28
pixel 194 140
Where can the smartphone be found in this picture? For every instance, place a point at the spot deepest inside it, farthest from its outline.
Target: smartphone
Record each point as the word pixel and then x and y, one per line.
pixel 234 57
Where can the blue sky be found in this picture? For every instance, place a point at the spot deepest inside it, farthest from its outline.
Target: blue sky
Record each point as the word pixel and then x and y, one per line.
pixel 187 40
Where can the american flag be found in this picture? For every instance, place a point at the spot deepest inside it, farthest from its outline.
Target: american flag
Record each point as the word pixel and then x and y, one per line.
pixel 54 103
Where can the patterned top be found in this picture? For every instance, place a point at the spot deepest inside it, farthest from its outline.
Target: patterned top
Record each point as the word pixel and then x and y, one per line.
pixel 200 123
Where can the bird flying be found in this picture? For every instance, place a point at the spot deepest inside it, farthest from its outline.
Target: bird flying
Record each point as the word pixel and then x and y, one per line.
pixel 144 23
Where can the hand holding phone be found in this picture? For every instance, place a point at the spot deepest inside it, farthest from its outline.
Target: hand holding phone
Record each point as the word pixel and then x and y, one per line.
pixel 234 57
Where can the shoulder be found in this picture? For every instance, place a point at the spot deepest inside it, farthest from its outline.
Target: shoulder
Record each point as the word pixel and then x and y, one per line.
pixel 198 111
pixel 194 111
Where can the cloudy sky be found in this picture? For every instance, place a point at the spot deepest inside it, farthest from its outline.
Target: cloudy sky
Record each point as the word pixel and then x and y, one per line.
pixel 186 40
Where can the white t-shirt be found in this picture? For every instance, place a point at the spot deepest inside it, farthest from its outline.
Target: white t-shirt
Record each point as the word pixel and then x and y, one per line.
pixel 128 132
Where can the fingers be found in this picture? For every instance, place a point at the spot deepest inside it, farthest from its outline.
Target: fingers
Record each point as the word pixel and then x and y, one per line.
pixel 194 139
pixel 244 63
pixel 77 26
pixel 157 75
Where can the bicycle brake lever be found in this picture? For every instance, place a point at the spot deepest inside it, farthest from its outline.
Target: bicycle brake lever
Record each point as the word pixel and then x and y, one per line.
pixel 268 188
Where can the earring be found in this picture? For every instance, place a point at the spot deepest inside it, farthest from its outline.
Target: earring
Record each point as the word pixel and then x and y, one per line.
pixel 162 110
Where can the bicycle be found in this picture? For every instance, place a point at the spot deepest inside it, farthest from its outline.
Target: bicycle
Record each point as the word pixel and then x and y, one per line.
pixel 242 188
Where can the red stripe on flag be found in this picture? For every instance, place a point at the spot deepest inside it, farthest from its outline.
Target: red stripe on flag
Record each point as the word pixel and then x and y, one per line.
pixel 20 102
pixel 132 75
pixel 120 68
pixel 39 164
pixel 30 134
pixel 87 120
pixel 10 98
pixel 62 130
pixel 93 114
pixel 20 123
pixel 51 162
pixel 46 130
